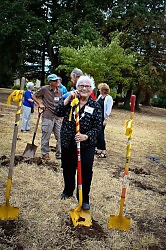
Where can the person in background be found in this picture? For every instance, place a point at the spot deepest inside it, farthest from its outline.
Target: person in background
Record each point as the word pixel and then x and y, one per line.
pixel 51 96
pixel 106 103
pixel 63 89
pixel 75 74
pixel 27 107
pixel 90 124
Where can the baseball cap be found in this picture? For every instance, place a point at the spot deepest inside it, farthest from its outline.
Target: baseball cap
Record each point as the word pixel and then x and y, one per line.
pixel 52 77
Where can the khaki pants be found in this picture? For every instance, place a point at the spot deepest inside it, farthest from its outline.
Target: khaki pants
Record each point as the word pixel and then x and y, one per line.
pixel 49 126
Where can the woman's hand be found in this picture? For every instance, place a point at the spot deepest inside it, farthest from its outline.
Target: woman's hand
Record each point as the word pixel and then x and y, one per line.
pixel 73 94
pixel 80 137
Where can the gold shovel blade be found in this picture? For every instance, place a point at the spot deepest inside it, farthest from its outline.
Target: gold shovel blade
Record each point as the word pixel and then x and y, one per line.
pixel 119 222
pixel 8 212
pixel 30 151
pixel 81 217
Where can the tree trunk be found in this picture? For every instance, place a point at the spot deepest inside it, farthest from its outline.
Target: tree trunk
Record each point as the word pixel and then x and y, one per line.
pixel 119 92
pixel 138 98
pixel 128 96
pixel 147 98
pixel 43 67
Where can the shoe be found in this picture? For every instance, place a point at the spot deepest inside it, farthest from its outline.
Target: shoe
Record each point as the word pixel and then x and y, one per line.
pixel 23 131
pixel 102 155
pixel 97 152
pixel 85 206
pixel 65 196
pixel 46 157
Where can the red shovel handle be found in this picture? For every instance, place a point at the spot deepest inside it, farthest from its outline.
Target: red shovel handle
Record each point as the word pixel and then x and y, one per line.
pixel 132 100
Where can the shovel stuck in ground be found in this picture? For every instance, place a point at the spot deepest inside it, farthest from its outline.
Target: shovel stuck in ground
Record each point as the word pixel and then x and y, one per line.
pixel 8 212
pixel 119 221
pixel 30 149
pixel 78 215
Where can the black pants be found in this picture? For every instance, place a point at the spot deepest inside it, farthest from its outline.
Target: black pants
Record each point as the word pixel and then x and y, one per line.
pixel 69 165
pixel 101 139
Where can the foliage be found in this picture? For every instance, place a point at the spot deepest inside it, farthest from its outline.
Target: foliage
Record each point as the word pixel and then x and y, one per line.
pixel 140 27
pixel 160 102
pixel 21 30
pixel 105 36
pixel 106 64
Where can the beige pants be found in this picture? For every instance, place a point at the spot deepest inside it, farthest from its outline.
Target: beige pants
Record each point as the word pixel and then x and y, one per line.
pixel 49 126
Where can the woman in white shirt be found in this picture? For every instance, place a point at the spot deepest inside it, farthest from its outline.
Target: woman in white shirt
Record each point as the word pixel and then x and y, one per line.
pixel 106 102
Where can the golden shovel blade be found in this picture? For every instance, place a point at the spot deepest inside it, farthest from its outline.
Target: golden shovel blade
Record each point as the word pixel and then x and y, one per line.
pixel 8 212
pixel 119 222
pixel 81 217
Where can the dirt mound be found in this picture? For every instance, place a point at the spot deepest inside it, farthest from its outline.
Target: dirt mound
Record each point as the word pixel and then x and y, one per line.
pixel 5 161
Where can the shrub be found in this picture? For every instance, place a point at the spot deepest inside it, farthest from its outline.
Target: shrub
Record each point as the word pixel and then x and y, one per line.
pixel 160 102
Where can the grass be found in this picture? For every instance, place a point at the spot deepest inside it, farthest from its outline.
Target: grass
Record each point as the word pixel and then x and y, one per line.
pixel 44 221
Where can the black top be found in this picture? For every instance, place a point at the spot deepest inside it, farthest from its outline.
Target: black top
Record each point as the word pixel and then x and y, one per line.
pixel 90 123
pixel 101 102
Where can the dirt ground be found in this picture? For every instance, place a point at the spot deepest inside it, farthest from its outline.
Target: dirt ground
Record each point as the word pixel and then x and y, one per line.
pixel 44 221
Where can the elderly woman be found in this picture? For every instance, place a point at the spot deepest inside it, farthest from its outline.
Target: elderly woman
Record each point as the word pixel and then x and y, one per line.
pixel 27 107
pixel 106 103
pixel 90 124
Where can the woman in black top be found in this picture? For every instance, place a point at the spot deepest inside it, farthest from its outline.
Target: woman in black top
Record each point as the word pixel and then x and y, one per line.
pixel 106 102
pixel 90 124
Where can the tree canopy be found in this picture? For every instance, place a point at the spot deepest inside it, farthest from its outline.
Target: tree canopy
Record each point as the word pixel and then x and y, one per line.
pixel 121 42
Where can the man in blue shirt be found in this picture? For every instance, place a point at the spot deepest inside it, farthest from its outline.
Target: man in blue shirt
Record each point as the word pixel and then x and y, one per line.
pixel 62 88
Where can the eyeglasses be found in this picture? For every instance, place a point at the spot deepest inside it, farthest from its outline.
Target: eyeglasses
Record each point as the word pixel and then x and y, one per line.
pixel 81 86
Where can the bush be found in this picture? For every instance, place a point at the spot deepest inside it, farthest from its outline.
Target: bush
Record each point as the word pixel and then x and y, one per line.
pixel 160 102
pixel 16 87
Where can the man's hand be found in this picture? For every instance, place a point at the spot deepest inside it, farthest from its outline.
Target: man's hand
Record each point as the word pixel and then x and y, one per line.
pixel 41 106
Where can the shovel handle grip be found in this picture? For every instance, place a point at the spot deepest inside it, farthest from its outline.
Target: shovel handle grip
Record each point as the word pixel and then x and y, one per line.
pixel 132 100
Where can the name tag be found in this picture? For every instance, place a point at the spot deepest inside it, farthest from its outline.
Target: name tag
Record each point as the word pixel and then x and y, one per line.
pixel 56 98
pixel 89 109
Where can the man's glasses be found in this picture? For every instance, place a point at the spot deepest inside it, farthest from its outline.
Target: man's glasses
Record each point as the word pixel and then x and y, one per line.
pixel 81 86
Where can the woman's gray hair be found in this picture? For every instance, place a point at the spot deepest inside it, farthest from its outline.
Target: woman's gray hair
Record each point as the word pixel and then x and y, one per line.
pixel 84 79
pixel 29 85
pixel 77 72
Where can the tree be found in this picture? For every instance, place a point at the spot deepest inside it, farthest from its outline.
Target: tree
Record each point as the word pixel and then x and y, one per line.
pixel 22 31
pixel 103 63
pixel 141 28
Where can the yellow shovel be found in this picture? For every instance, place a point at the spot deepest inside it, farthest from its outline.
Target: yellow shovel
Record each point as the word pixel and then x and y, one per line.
pixel 8 212
pixel 119 221
pixel 78 215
